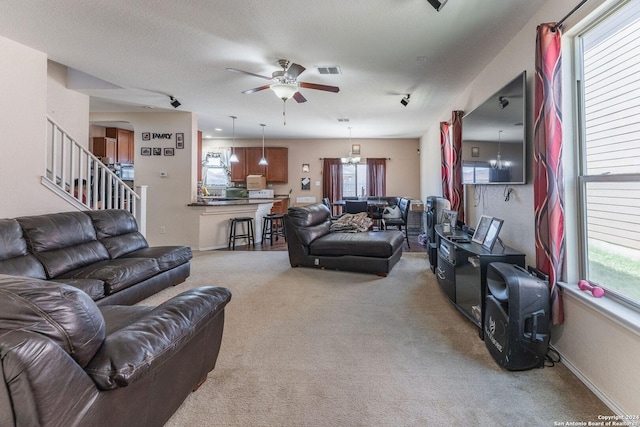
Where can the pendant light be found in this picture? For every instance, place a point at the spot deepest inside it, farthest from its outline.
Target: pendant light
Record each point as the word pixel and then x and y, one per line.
pixel 263 160
pixel 233 158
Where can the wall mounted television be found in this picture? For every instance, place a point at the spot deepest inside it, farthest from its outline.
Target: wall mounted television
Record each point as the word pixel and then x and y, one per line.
pixel 494 137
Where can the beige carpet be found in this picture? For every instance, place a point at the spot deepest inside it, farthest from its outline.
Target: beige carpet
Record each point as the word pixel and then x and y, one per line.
pixel 306 347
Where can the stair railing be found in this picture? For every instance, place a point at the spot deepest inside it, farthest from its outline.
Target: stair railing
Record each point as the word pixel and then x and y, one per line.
pixel 82 178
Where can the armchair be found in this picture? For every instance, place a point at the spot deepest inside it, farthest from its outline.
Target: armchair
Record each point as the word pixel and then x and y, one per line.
pixel 67 362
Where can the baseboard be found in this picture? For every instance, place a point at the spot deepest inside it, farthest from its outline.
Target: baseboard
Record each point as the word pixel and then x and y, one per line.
pixel 591 386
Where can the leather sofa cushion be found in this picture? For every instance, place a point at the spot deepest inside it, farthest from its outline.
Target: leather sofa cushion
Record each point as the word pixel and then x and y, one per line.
pixel 117 230
pixel 378 244
pixel 167 257
pixel 307 216
pixel 60 312
pixel 129 353
pixel 93 287
pixel 12 243
pixel 63 241
pixel 311 233
pixel 118 273
pixel 14 258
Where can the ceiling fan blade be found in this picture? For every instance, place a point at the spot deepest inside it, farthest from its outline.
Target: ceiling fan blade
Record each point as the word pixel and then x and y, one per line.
pixel 256 89
pixel 299 98
pixel 294 71
pixel 235 70
pixel 316 86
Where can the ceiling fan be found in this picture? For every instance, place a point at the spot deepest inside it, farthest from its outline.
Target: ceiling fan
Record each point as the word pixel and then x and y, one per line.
pixel 285 82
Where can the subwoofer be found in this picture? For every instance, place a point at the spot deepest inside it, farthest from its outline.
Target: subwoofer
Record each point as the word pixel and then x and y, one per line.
pixel 517 317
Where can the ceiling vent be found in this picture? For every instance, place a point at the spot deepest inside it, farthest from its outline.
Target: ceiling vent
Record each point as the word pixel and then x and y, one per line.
pixel 334 69
pixel 343 120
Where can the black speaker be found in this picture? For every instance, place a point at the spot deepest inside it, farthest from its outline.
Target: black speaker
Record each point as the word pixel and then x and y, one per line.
pixel 517 317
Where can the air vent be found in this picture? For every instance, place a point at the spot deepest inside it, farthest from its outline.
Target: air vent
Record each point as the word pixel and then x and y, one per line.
pixel 343 120
pixel 333 69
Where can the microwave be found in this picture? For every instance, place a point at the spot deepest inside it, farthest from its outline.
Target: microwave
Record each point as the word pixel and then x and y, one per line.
pixel 126 172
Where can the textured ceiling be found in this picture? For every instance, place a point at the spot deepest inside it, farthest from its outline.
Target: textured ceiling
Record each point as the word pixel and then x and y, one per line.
pixel 130 55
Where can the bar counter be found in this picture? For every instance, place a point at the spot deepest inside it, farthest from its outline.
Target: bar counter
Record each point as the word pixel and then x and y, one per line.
pixel 213 215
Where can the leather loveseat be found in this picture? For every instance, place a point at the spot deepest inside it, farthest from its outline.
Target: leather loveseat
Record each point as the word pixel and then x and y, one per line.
pixel 311 243
pixel 65 362
pixel 100 252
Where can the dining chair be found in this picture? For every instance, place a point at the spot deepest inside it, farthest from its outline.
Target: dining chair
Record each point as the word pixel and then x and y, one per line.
pixel 404 205
pixel 355 206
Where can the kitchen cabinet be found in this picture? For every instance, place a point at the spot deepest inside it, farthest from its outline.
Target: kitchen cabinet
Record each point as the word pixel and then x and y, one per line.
pixel 124 144
pixel 104 147
pixel 238 169
pixel 277 171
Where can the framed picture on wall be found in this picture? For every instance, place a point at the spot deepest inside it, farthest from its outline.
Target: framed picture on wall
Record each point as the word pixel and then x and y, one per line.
pixel 179 140
pixel 145 151
pixel 355 149
pixel 169 152
pixel 157 151
pixel 305 168
pixel 475 151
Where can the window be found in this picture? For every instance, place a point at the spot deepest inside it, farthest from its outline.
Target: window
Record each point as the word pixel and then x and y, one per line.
pixel 354 180
pixel 609 166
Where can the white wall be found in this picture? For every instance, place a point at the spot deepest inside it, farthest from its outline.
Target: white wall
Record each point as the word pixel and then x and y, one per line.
pixel 68 108
pixel 594 346
pixel 23 108
pixel 168 197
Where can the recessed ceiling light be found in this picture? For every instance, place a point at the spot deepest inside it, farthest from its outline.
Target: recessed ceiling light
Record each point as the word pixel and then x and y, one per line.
pixel 218 129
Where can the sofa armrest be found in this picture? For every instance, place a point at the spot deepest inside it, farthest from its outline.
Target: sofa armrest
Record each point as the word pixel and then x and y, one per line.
pixel 38 375
pixel 131 352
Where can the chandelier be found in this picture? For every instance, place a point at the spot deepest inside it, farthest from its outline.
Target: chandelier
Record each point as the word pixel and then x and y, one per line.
pixel 350 159
pixel 498 163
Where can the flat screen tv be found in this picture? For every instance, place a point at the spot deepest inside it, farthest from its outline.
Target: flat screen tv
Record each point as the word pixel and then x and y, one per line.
pixel 494 138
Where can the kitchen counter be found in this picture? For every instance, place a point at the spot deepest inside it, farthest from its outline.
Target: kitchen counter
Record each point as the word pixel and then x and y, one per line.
pixel 229 201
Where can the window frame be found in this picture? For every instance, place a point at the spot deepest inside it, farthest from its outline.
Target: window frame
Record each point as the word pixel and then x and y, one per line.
pixel 582 179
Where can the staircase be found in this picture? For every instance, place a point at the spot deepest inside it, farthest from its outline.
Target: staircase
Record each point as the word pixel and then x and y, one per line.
pixel 81 178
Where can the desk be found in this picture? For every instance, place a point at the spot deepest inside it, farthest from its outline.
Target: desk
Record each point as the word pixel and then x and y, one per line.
pixel 461 271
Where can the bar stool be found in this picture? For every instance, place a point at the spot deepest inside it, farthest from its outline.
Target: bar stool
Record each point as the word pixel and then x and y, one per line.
pixel 248 234
pixel 273 225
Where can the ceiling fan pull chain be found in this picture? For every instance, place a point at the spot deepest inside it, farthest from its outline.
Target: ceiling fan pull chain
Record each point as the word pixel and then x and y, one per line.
pixel 284 115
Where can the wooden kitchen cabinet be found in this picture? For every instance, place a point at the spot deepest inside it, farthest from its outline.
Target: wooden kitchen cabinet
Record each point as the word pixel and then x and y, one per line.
pixel 104 147
pixel 276 172
pixel 278 168
pixel 238 169
pixel 124 144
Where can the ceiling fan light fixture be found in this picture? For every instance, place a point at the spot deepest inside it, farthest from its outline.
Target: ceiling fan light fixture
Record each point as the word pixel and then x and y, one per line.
pixel 284 91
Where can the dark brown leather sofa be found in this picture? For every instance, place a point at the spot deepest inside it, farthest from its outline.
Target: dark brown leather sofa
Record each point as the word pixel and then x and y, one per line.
pixel 99 252
pixel 64 361
pixel 311 243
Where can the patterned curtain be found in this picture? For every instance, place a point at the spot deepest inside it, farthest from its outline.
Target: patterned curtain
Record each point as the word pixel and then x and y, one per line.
pixel 451 155
pixel 445 158
pixel 332 179
pixel 548 180
pixel 377 177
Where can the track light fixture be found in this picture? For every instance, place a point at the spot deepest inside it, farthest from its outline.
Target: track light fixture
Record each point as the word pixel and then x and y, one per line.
pixel 405 100
pixel 502 102
pixel 174 102
pixel 437 5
